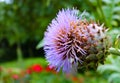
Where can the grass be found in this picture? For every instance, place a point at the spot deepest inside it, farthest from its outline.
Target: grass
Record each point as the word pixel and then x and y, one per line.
pixel 88 77
pixel 26 63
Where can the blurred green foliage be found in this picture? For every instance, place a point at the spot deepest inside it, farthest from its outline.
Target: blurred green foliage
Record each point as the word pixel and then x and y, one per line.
pixel 24 21
pixel 111 69
pixel 44 77
pixel 27 63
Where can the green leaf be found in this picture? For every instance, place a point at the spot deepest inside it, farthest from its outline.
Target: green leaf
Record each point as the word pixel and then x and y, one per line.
pixel 116 1
pixel 107 1
pixel 114 23
pixel 114 51
pixel 116 17
pixel 40 44
pixel 108 67
pixel 116 9
pixel 114 77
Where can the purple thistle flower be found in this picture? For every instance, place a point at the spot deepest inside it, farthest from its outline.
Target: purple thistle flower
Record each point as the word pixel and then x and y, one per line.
pixel 70 42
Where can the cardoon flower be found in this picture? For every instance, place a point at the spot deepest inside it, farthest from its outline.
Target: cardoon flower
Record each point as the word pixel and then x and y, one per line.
pixel 71 43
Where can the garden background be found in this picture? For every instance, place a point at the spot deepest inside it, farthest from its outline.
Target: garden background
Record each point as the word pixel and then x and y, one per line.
pixel 22 27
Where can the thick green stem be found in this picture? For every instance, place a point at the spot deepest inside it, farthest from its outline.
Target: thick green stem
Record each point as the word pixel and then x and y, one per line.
pixel 19 55
pixel 99 2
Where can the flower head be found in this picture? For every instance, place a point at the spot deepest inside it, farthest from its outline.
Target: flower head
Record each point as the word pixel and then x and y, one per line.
pixel 70 42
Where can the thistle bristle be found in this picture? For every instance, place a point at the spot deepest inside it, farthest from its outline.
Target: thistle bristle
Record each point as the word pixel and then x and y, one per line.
pixel 69 41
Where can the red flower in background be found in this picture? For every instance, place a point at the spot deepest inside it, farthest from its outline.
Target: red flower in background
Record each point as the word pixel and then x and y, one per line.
pixel 15 76
pixel 75 79
pixel 36 68
pixel 48 68
pixel 29 71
